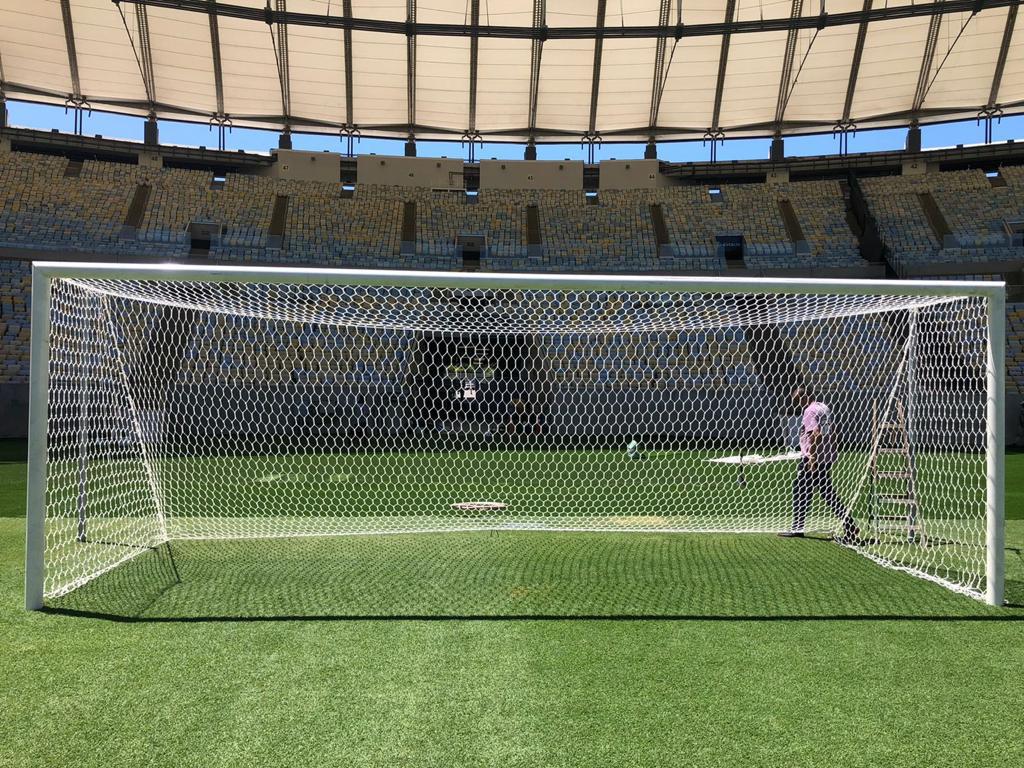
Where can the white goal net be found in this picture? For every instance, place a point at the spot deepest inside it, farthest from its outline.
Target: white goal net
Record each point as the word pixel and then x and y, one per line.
pixel 210 403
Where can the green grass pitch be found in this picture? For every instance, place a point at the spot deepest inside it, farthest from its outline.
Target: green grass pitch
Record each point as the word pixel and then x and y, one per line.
pixel 680 650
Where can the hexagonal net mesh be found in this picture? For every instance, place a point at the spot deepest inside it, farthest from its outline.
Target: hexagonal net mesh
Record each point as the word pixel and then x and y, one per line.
pixel 185 409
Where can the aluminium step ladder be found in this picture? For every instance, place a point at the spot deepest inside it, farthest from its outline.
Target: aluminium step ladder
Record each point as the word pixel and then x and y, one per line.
pixel 894 508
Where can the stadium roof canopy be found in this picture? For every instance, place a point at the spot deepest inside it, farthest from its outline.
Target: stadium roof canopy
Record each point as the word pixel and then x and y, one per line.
pixel 512 70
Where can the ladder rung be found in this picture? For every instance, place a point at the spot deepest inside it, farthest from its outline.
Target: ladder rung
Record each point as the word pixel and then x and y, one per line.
pixel 902 451
pixel 896 499
pixel 894 475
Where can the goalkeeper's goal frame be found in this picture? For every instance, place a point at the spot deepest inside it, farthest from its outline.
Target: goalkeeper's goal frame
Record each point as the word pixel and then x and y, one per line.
pixel 46 274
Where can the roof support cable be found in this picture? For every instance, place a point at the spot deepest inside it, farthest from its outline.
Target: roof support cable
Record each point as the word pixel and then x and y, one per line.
pixel 949 50
pixel 927 59
pixel 786 82
pixel 143 53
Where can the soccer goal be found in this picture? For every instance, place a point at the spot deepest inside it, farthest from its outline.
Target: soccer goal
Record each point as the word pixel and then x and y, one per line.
pixel 173 402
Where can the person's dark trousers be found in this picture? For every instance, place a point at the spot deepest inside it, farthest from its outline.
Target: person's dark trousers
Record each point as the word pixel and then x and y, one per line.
pixel 820 480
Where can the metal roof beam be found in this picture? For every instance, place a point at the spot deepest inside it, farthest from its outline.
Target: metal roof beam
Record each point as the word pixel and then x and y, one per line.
pixel 145 53
pixel 858 54
pixel 280 32
pixel 474 58
pixel 729 27
pixel 346 9
pixel 787 63
pixel 410 65
pixel 218 71
pixel 536 52
pixel 595 79
pixel 69 42
pixel 723 60
pixel 1004 50
pixel 3 78
pixel 927 59
pixel 660 74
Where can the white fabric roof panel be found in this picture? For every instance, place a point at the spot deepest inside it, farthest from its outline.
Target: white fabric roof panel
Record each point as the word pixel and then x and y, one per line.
pixel 752 78
pixel 32 48
pixel 316 73
pixel 966 76
pixel 183 59
pixel 109 71
pixel 442 80
pixel 566 70
pixel 1011 89
pixel 110 52
pixel 379 93
pixel 627 68
pixel 821 71
pixel 503 83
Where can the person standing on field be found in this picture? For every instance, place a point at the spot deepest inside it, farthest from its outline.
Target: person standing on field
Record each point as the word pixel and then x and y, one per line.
pixel 818 454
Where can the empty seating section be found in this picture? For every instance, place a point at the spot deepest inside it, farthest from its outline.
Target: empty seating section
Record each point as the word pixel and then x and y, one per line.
pixel 666 360
pixel 325 228
pixel 821 210
pixel 901 219
pixel 241 209
pixel 610 237
pixel 279 356
pixel 974 210
pixel 40 208
pixel 442 216
pixel 49 202
pixel 1014 176
pixel 15 278
pixel 1015 348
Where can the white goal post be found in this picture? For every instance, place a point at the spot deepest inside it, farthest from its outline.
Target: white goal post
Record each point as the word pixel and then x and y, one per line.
pixel 180 401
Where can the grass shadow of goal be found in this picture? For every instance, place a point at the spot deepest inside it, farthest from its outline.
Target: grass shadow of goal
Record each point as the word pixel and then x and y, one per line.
pixel 513 575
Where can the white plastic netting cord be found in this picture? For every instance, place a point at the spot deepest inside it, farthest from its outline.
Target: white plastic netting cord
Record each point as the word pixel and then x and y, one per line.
pixel 200 410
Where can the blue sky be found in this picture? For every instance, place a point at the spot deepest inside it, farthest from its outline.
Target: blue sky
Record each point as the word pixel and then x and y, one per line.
pixel 26 115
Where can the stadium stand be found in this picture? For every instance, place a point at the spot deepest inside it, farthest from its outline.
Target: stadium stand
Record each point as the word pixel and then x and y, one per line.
pixel 1015 348
pixel 44 208
pixel 15 280
pixel 51 202
pixel 947 217
pixel 327 228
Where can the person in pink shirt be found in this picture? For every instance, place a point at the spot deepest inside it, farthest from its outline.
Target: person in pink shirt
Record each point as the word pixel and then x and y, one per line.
pixel 818 453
